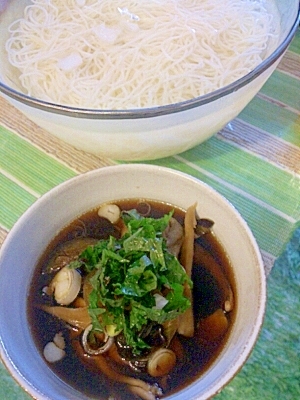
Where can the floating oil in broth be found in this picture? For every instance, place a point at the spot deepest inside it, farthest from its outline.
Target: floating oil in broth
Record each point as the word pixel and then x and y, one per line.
pixel 197 353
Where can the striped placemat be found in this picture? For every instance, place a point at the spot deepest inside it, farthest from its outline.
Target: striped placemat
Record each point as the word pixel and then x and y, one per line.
pixel 254 162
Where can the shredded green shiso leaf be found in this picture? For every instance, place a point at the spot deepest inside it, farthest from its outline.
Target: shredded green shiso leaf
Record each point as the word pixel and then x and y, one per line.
pixel 125 275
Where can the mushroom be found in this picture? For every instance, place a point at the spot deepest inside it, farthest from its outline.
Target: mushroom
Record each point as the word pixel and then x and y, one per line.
pixel 186 320
pixel 59 340
pixel 66 285
pixel 203 226
pixel 144 208
pixel 111 212
pixel 169 329
pixel 54 351
pixel 174 236
pixel 77 317
pixel 148 393
pixel 213 327
pixel 161 362
pixel 136 386
pixel 107 343
pixel 69 251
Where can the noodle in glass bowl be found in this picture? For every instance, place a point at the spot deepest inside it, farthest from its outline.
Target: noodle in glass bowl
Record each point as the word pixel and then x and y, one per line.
pixel 27 243
pixel 139 80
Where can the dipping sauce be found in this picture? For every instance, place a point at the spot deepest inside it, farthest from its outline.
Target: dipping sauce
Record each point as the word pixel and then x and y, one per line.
pixel 102 376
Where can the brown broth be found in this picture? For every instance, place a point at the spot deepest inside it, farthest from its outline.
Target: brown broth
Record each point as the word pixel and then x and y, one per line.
pixel 207 297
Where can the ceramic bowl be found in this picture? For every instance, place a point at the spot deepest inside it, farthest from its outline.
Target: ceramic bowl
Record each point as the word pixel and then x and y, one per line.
pixel 29 237
pixel 147 133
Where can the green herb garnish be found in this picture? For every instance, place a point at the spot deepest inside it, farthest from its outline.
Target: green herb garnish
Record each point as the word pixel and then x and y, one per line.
pixel 127 272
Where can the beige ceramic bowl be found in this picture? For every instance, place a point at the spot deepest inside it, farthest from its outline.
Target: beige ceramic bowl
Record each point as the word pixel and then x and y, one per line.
pixel 42 221
pixel 149 133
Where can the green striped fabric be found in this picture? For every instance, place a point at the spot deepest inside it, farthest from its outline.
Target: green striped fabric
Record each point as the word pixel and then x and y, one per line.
pixel 29 165
pixel 295 44
pixel 271 229
pixel 14 201
pixel 284 88
pixel 26 173
pixel 283 124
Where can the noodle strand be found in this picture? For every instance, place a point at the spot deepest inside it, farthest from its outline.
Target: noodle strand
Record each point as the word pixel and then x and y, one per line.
pixel 135 53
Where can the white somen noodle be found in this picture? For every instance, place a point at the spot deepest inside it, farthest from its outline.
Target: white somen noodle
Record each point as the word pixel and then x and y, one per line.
pixel 128 54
